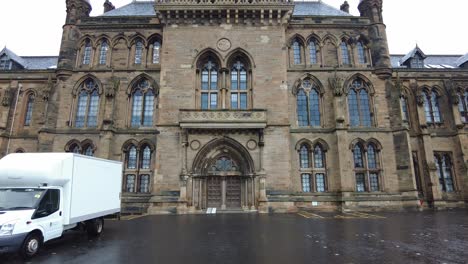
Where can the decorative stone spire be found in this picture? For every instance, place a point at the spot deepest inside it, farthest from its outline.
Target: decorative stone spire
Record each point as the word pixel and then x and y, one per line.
pixel 345 7
pixel 76 10
pixel 108 6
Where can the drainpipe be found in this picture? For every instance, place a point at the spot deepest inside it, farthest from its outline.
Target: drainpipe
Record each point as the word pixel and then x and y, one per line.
pixel 13 118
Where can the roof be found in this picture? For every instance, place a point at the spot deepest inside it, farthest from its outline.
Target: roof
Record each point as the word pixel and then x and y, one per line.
pixel 462 60
pixel 431 61
pixel 32 62
pixel 411 54
pixel 309 8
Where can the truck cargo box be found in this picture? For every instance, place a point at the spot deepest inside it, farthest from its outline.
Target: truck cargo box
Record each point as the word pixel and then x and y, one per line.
pixel 91 186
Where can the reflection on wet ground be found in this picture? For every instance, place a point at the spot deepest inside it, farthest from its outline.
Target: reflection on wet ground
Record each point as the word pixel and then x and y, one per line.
pixel 306 237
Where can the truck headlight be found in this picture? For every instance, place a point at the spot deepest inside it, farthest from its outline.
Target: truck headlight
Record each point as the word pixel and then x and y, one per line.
pixel 7 228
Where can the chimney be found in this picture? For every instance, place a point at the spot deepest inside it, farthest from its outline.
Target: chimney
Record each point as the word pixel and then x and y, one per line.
pixel 345 7
pixel 108 6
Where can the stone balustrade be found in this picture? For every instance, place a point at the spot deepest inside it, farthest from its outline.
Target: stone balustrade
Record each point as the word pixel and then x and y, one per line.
pixel 217 119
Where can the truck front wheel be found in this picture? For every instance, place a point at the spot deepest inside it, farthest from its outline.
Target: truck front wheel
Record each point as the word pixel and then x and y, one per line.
pixel 95 227
pixel 31 246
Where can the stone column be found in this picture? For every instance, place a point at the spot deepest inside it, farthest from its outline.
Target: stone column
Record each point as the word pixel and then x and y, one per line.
pixel 184 175
pixel 223 193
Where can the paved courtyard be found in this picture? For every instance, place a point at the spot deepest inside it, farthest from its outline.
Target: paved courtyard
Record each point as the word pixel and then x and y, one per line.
pixel 427 237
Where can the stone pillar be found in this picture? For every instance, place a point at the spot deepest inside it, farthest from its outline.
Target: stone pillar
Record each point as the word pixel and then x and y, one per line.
pixel 223 193
pixel 184 173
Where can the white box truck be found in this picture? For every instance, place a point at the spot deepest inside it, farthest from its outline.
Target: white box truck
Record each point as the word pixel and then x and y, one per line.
pixel 44 194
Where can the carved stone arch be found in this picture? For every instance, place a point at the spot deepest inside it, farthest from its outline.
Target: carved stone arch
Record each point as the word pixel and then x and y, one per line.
pixel 374 142
pixel 20 150
pixel 346 38
pixel 323 144
pixel 155 37
pixel 424 88
pixel 140 77
pixel 366 81
pixel 80 82
pixel 441 92
pixel 72 143
pixel 219 147
pixel 294 37
pixel 302 142
pixel 406 92
pixel 88 142
pixel 204 55
pixel 240 53
pixel 317 38
pixel 331 38
pixel 29 91
pixel 315 80
pixel 117 38
pixel 135 37
pixel 83 39
pixel 146 142
pixel 101 38
pixel 127 144
pixel 357 141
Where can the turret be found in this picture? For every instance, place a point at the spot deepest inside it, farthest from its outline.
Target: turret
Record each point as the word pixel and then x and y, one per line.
pixel 76 11
pixel 372 9
pixel 108 6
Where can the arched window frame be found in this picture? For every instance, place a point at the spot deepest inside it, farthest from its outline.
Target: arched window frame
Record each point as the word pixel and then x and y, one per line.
pixel 87 104
pixel 138 164
pixel 309 104
pixel 313 51
pixel 313 168
pixel 85 147
pixel 297 49
pixel 209 85
pixel 28 111
pixel 432 106
pixel 345 55
pixel 139 46
pixel 87 50
pixel 445 171
pixel 360 105
pixel 142 111
pixel 239 85
pixel 463 104
pixel 156 52
pixel 103 52
pixel 404 107
pixel 367 167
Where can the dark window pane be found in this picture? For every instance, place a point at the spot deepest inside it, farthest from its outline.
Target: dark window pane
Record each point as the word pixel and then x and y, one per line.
pixel 371 157
pixel 305 182
pixel 374 182
pixel 156 50
pixel 344 53
pixel 138 51
pixel 302 113
pixel 144 183
pixel 29 110
pixel 314 103
pixel 213 100
pixel 427 108
pixel 146 158
pixel 234 80
pixel 204 80
pixel 313 52
pixel 318 157
pixel 360 182
pixel 447 171
pixel 243 80
pixel 364 108
pixel 93 109
pixel 361 53
pixel 234 101
pixel 75 149
pixel 297 52
pixel 320 182
pixel 404 109
pixel 132 158
pixel 204 99
pixel 103 52
pixel 243 101
pixel 358 157
pixel 81 109
pixel 214 80
pixel 137 108
pixel 149 108
pixel 89 151
pixel 353 108
pixel 304 157
pixel 87 53
pixel 130 183
pixel 435 107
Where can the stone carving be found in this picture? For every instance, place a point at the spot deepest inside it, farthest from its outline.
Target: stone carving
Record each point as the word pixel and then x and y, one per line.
pixel 224 44
pixel 420 100
pixel 336 85
pixel 195 145
pixel 251 144
pixel 45 94
pixel 6 99
pixel 222 116
pixel 112 87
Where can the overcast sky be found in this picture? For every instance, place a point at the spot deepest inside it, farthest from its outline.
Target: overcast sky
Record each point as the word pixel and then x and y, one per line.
pixel 32 27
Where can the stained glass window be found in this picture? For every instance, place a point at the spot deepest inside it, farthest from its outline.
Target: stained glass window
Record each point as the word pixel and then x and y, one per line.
pixel 29 110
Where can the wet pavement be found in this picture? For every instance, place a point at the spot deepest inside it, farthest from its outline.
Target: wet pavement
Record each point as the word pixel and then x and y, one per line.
pixel 306 237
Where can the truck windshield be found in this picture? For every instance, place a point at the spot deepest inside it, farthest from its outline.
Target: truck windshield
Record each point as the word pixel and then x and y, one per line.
pixel 20 198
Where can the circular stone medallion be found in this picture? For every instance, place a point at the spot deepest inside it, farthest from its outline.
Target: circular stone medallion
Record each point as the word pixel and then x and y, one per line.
pixel 251 144
pixel 194 145
pixel 224 44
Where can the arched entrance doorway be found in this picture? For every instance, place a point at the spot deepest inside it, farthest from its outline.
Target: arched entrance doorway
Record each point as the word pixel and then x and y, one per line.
pixel 223 176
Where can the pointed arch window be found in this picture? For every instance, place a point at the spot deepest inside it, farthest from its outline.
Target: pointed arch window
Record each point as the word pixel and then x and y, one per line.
pixel 88 105
pixel 103 52
pixel 88 151
pixel 366 168
pixel 431 107
pixel 404 109
pixel 156 52
pixel 444 167
pixel 239 86
pixel 209 86
pixel 463 105
pixel 313 168
pixel 143 101
pixel 87 53
pixel 359 104
pixel 75 149
pixel 29 109
pixel 361 53
pixel 138 51
pixel 345 53
pixel 137 168
pixel 308 104
pixel 81 148
pixel 313 51
pixel 297 47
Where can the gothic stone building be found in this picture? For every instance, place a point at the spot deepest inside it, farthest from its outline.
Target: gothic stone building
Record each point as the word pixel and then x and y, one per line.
pixel 252 105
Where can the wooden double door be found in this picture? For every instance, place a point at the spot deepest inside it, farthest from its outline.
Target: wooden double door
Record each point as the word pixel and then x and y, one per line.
pixel 231 196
